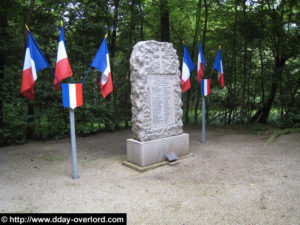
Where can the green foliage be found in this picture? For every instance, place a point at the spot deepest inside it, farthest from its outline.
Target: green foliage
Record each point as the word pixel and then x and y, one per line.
pixel 260 54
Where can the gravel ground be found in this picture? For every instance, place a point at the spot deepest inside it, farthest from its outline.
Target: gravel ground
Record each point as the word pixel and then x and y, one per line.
pixel 235 178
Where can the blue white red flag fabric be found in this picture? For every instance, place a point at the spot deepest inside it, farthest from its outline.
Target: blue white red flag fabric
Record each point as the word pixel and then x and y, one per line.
pixel 218 65
pixel 72 95
pixel 63 69
pixel 201 64
pixel 187 67
pixel 205 87
pixel 101 62
pixel 34 62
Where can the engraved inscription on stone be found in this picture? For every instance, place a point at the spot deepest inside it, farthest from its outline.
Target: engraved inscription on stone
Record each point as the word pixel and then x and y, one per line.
pixel 161 96
pixel 155 91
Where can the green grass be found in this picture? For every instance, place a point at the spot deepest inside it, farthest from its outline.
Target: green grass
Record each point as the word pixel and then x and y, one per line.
pixel 52 158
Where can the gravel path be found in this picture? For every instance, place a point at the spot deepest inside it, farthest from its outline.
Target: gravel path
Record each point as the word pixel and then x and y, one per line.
pixel 233 179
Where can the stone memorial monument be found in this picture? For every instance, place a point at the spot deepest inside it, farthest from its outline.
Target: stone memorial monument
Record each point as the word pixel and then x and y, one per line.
pixel 156 104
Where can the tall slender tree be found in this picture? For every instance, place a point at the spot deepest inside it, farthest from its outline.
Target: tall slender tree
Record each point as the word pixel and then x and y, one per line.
pixel 164 21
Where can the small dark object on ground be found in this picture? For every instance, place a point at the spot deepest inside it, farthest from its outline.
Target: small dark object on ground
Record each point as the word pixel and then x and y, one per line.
pixel 171 157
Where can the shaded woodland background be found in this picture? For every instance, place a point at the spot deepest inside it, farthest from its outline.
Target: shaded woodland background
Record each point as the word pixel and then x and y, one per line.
pixel 260 52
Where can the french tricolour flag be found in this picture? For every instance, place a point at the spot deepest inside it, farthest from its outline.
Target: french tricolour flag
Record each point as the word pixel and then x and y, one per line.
pixel 201 64
pixel 205 87
pixel 101 62
pixel 72 95
pixel 218 65
pixel 63 69
pixel 34 62
pixel 187 67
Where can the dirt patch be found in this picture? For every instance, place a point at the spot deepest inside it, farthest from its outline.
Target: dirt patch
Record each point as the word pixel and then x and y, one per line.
pixel 235 178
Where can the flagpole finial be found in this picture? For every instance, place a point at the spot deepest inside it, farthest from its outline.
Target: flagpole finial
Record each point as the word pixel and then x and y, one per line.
pixel 106 36
pixel 183 42
pixel 27 28
pixel 61 23
pixel 219 46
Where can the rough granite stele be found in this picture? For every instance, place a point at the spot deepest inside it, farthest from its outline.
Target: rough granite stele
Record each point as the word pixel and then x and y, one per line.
pixel 155 91
pixel 156 105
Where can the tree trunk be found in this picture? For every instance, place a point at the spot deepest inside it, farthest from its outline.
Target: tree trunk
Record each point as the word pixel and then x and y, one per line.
pixel 262 77
pixel 187 109
pixel 28 16
pixel 112 53
pixel 132 22
pixel 203 45
pixel 232 76
pixel 245 60
pixel 294 93
pixel 249 109
pixel 141 18
pixel 188 100
pixel 114 32
pixel 279 64
pixel 262 114
pixel 5 37
pixel 280 56
pixel 187 106
pixel 164 21
pixel 30 112
pixel 193 49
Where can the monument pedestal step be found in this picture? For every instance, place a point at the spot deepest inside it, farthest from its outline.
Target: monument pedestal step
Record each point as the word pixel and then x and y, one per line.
pixel 155 165
pixel 151 152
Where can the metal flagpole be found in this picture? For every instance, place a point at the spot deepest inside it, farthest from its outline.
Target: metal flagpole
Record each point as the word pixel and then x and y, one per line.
pixel 73 143
pixel 203 120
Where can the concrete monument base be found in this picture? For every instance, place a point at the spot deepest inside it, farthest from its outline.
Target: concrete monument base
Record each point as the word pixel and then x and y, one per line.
pixel 151 152
pixel 154 166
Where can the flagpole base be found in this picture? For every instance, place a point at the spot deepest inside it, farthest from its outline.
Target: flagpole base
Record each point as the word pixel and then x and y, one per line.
pixel 203 121
pixel 73 143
